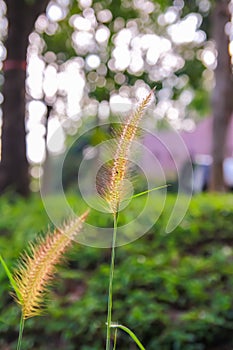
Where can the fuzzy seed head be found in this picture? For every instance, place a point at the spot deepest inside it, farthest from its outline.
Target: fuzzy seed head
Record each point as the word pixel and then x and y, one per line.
pixel 114 193
pixel 36 267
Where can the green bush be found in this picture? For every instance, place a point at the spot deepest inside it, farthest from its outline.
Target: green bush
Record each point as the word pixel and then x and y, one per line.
pixel 173 290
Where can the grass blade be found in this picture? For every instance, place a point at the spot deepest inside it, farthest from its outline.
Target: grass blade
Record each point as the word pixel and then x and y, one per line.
pixel 10 277
pixel 131 334
pixel 145 192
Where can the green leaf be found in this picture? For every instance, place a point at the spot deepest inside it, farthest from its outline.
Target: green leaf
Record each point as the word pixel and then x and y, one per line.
pixel 10 277
pixel 145 192
pixel 131 334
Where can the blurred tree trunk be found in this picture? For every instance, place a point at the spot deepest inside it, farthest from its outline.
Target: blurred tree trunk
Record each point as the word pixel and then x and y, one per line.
pixel 21 15
pixel 222 101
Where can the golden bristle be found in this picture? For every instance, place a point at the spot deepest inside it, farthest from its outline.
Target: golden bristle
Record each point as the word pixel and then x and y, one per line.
pixel 36 267
pixel 113 194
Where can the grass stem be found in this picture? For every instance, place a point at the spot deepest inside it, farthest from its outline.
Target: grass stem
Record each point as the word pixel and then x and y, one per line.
pixel 110 288
pixel 21 328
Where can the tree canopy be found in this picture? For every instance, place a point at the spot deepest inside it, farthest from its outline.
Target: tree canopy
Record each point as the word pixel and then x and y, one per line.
pixel 87 58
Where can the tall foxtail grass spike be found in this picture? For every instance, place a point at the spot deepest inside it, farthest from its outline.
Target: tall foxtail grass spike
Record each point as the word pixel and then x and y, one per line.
pixel 36 267
pixel 113 194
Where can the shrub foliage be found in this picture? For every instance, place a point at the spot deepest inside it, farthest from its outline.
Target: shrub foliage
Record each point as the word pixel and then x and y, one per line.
pixel 174 290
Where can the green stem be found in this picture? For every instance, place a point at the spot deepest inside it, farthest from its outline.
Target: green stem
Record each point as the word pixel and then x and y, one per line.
pixel 115 339
pixel 21 328
pixel 109 317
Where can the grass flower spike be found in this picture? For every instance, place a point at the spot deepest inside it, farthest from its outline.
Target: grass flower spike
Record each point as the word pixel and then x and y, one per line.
pixel 36 267
pixel 113 194
pixel 114 191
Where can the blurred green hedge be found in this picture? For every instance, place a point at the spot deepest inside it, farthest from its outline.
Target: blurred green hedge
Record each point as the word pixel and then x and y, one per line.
pixel 175 291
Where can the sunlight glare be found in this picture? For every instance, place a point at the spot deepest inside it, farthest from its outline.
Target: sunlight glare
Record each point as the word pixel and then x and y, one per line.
pixel 171 15
pixel 54 12
pixel 2 52
pixel 122 57
pixel 102 34
pixel 123 37
pixel 85 3
pixel 55 137
pixel 209 58
pixel 137 63
pixel 36 110
pixel 104 16
pixel 35 71
pixel 35 147
pixel 83 41
pixel 119 104
pixel 81 23
pixel 50 84
pixel 185 31
pixel 93 61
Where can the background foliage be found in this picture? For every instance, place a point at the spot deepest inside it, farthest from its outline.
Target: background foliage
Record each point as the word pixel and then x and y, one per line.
pixel 174 291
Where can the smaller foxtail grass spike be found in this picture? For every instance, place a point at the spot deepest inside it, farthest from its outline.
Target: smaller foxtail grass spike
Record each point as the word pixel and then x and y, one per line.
pixel 113 193
pixel 37 266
